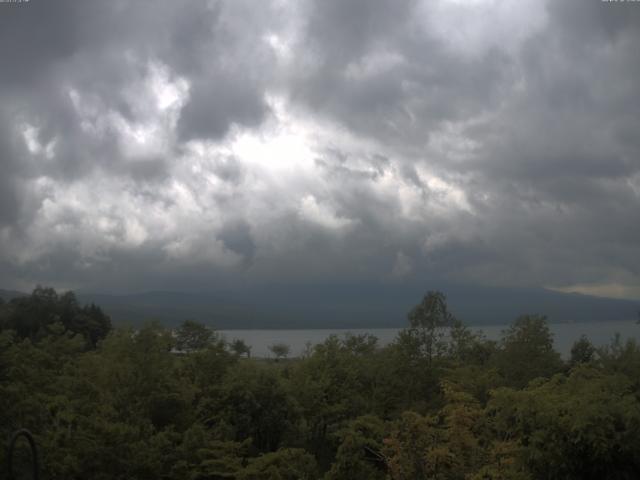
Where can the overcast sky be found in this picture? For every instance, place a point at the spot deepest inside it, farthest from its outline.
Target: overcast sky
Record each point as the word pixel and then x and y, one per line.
pixel 189 145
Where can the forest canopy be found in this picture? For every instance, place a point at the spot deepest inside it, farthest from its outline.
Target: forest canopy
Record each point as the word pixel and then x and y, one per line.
pixel 439 402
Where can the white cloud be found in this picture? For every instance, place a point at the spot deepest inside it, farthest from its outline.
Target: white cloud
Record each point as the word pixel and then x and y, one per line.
pixel 610 290
pixel 312 210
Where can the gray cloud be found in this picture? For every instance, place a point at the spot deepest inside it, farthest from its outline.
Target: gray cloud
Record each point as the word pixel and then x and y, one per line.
pixel 217 104
pixel 379 69
pixel 164 145
pixel 237 237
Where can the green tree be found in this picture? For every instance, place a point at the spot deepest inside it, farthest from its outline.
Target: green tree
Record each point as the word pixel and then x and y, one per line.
pixel 280 350
pixel 468 347
pixel 341 380
pixel 527 351
pixel 583 426
pixel 427 322
pixel 622 357
pixel 253 403
pixel 444 446
pixel 284 464
pixel 191 336
pixel 239 347
pixel 34 316
pixel 359 456
pixel 582 351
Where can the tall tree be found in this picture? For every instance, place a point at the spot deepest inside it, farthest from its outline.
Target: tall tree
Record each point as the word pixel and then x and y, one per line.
pixel 527 351
pixel 192 336
pixel 582 351
pixel 427 321
pixel 36 315
pixel 239 347
pixel 280 350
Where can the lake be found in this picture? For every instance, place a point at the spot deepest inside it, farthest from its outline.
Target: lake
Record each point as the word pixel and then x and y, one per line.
pixel 564 335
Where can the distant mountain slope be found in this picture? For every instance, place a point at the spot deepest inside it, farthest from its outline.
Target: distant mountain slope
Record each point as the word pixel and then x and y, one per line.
pixel 355 306
pixel 361 306
pixel 7 295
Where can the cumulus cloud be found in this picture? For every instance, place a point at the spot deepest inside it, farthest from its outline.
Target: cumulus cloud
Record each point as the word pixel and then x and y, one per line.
pixel 163 145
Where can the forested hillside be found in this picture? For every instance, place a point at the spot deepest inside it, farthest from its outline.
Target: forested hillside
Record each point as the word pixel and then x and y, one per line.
pixel 151 403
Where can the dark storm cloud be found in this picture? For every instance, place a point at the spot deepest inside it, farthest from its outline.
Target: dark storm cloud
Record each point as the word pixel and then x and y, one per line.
pixel 236 236
pixel 552 176
pixel 440 145
pixel 219 102
pixel 377 68
pixel 100 49
pixel 558 168
pixel 9 190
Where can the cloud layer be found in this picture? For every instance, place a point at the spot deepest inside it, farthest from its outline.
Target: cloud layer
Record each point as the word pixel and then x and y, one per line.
pixel 148 145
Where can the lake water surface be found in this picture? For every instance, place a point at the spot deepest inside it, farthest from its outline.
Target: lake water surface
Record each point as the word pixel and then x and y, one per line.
pixel 564 335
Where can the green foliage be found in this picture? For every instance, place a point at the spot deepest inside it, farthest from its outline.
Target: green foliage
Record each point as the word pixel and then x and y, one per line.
pixel 359 456
pixel 469 348
pixel 428 320
pixel 192 336
pixel 254 404
pixel 154 404
pixel 582 351
pixel 39 314
pixel 201 455
pixel 527 351
pixel 582 426
pixel 622 358
pixel 283 464
pixel 341 379
pixel 280 350
pixel 446 445
pixel 239 347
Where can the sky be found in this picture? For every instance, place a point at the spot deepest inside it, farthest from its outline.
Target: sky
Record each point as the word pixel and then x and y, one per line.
pixel 199 145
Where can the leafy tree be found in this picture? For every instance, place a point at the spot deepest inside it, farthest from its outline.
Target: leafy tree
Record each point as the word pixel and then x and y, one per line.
pixel 239 347
pixel 412 436
pixel 527 351
pixel 201 454
pixel 582 351
pixel 622 357
pixel 192 336
pixel 34 316
pixel 308 350
pixel 359 456
pixel 254 404
pixel 427 322
pixel 336 383
pixel 411 379
pixel 361 344
pixel 205 370
pixel 442 446
pixel 478 381
pixel 280 350
pixel 583 426
pixel 468 347
pixel 284 464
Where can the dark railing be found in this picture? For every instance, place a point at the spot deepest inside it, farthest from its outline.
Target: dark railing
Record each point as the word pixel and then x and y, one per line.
pixel 34 453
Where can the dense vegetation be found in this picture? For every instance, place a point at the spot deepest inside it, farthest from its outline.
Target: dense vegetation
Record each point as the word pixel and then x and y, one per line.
pixel 109 403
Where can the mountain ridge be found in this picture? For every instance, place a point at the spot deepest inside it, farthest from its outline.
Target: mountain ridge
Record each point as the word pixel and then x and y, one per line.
pixel 352 306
